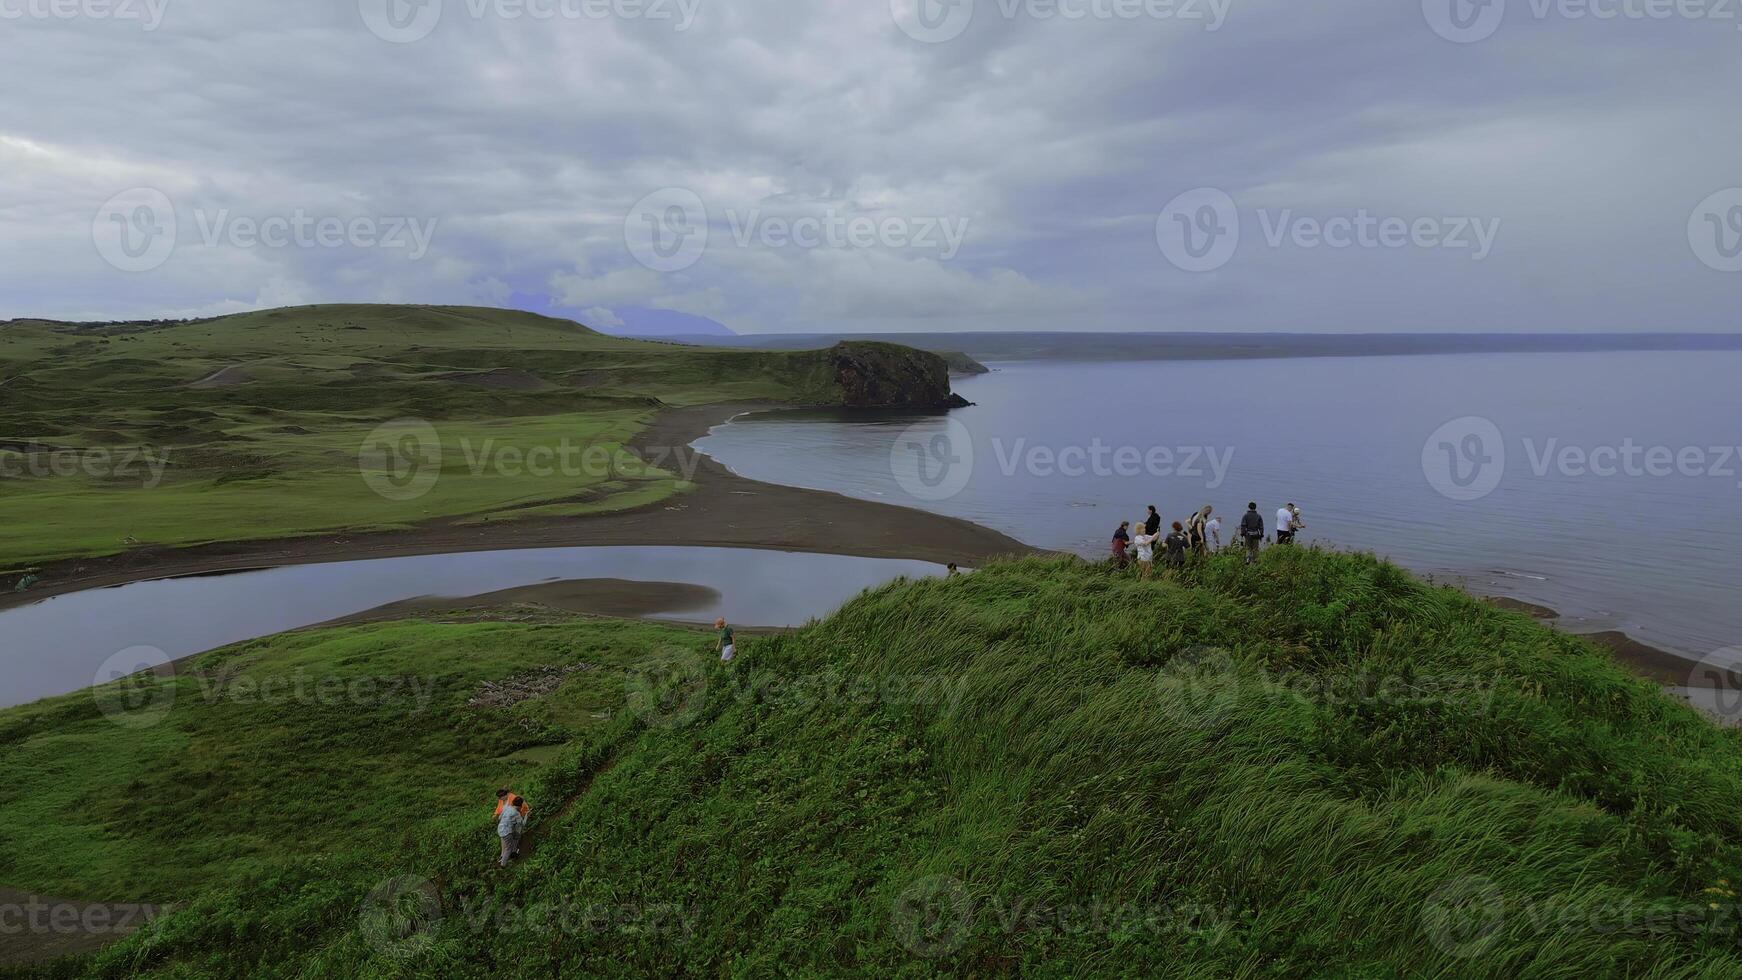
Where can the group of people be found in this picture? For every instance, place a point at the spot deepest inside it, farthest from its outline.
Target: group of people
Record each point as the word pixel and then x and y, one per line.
pixel 1199 534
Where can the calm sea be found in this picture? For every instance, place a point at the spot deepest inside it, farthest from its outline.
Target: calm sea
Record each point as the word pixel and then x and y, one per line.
pixel 1606 485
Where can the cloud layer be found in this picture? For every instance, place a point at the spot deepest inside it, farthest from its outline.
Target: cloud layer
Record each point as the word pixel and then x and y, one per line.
pixel 876 165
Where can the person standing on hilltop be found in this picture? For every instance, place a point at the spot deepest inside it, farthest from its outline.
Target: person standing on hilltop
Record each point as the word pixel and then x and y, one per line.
pixel 1145 555
pixel 1295 524
pixel 1213 531
pixel 1285 524
pixel 1121 539
pixel 1252 532
pixel 728 647
pixel 1197 530
pixel 1176 544
pixel 1152 523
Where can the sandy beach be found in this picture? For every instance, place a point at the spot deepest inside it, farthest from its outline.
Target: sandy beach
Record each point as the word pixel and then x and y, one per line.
pixel 723 509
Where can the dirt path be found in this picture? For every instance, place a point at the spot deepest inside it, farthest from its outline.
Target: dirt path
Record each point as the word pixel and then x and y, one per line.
pixel 544 825
pixel 724 510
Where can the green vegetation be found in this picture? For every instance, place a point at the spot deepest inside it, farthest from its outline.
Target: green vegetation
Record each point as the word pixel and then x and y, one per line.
pixel 1318 766
pixel 303 743
pixel 253 426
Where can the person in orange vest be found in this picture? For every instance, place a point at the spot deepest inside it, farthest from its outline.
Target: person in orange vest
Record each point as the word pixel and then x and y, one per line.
pixel 510 842
pixel 509 826
pixel 502 798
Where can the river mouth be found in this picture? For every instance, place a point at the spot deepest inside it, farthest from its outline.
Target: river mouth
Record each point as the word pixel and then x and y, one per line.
pixel 68 642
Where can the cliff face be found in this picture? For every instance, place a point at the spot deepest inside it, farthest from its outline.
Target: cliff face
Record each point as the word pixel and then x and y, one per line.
pixel 868 374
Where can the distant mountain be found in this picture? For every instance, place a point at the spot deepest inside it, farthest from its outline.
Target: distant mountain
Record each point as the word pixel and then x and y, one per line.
pixel 1021 346
pixel 642 321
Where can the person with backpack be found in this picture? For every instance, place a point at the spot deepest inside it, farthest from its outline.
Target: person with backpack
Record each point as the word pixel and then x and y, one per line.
pixel 509 826
pixel 1197 531
pixel 502 803
pixel 502 798
pixel 1252 532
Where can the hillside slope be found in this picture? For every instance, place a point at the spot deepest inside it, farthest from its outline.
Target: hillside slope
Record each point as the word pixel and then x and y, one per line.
pixel 253 426
pixel 1318 766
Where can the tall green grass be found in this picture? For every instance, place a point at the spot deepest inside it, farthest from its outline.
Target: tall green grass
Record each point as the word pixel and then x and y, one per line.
pixel 1318 766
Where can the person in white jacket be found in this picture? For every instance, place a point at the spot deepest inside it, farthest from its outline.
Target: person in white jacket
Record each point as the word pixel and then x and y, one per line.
pixel 509 826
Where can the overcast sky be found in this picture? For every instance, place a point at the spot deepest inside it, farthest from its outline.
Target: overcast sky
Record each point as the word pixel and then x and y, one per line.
pixel 779 165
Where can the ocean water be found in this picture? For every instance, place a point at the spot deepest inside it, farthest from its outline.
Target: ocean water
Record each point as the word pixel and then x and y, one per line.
pixel 1605 485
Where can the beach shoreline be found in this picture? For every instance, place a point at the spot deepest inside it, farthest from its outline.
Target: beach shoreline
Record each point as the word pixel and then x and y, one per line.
pixel 722 509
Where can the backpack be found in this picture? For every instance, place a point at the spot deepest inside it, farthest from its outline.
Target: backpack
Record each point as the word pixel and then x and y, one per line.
pixel 1252 525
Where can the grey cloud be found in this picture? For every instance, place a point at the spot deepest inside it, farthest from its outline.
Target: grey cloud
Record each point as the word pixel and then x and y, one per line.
pixel 526 145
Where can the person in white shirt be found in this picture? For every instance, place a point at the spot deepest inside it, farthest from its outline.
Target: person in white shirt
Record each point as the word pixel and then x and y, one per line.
pixel 1145 554
pixel 1285 524
pixel 1213 528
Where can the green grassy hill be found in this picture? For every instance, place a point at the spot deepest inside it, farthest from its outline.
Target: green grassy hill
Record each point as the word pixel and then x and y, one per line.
pixel 1318 766
pixel 250 426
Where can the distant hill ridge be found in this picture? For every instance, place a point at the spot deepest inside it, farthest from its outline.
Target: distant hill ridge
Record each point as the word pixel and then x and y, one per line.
pixel 1015 345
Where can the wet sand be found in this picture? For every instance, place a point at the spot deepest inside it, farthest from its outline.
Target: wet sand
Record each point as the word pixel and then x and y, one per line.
pixel 1648 661
pixel 614 597
pixel 1531 609
pixel 722 510
pixel 1643 659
